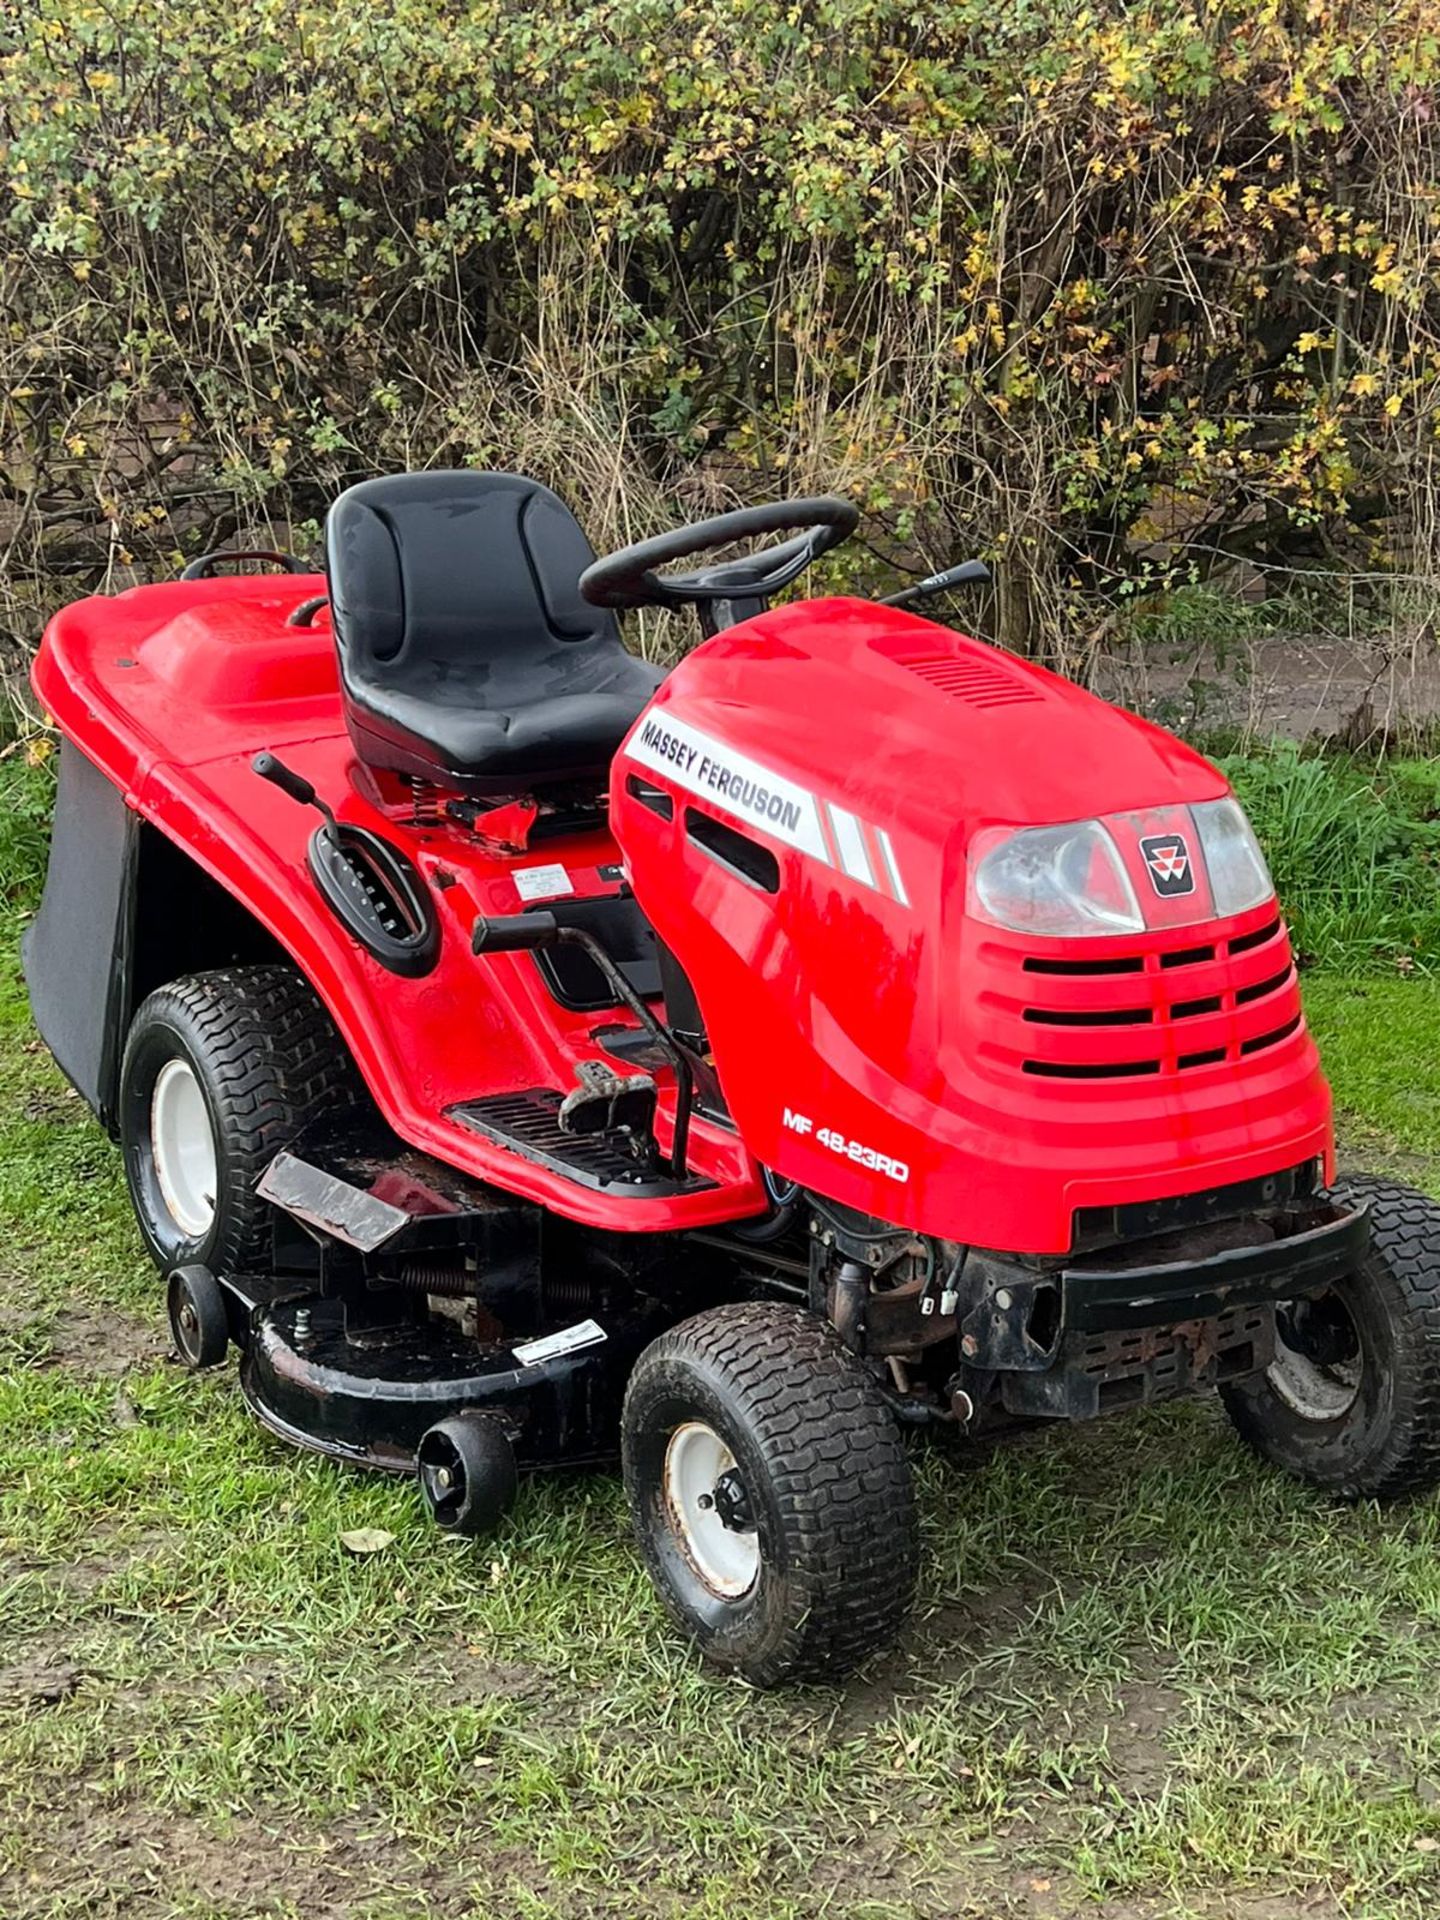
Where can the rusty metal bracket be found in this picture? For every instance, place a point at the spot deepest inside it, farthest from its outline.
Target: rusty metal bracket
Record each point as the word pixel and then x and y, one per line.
pixel 329 1205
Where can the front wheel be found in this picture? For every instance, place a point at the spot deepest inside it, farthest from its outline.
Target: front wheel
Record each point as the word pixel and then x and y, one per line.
pixel 1351 1402
pixel 770 1493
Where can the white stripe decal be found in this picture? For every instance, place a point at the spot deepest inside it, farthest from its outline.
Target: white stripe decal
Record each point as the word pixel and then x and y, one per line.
pixel 892 869
pixel 850 844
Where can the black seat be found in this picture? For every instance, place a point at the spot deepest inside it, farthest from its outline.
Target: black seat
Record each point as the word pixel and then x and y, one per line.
pixel 467 657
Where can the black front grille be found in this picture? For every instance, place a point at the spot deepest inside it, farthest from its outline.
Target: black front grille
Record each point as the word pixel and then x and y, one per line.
pixel 1243 942
pixel 1160 1363
pixel 1271 1039
pixel 1144 1219
pixel 1197 1006
pixel 1090 1069
pixel 1258 992
pixel 1191 1009
pixel 1059 1017
pixel 1079 969
pixel 1099 1373
pixel 1187 956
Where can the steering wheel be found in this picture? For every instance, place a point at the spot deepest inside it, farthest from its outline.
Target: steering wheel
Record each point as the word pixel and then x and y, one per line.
pixel 628 578
pixel 204 567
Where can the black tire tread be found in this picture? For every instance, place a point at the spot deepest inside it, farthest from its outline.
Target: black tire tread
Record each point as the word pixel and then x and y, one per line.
pixel 279 1063
pixel 1405 1233
pixel 838 1465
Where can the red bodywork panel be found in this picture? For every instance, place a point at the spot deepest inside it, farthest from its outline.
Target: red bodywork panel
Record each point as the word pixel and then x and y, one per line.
pixel 862 1022
pixel 171 690
pixel 877 1043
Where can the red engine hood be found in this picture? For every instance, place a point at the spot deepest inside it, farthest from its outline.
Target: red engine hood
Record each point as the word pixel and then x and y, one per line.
pixel 872 706
pixel 873 1041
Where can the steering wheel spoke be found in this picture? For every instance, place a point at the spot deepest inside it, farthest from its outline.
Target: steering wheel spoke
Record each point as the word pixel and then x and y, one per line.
pixel 631 577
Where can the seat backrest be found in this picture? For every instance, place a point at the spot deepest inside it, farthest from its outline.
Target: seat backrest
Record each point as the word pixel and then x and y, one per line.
pixel 428 568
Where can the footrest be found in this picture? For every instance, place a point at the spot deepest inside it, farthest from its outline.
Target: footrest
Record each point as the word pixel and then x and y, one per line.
pixel 528 1123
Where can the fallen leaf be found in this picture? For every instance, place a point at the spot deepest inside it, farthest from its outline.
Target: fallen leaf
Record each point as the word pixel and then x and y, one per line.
pixel 366 1540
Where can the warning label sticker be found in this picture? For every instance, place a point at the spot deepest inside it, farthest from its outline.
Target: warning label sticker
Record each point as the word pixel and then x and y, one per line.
pixel 542 883
pixel 585 1333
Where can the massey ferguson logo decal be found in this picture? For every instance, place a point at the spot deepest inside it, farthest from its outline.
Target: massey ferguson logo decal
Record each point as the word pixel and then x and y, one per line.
pixel 1167 860
pixel 759 796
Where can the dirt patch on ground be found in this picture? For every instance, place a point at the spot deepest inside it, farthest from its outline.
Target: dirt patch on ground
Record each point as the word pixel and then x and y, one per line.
pixel 105 1558
pixel 133 1861
pixel 96 1342
pixel 39 1680
pixel 108 1344
pixel 977 1886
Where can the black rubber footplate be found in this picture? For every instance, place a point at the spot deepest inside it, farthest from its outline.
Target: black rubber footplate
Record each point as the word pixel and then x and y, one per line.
pixel 528 1124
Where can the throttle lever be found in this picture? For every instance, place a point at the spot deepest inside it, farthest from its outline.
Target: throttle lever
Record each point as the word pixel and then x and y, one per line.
pixel 295 785
pixel 969 573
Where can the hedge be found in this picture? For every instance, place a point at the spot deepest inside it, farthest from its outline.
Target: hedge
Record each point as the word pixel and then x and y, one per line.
pixel 1108 293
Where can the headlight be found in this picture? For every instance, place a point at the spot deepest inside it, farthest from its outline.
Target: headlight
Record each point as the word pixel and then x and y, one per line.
pixel 1239 877
pixel 1053 880
pixel 1170 866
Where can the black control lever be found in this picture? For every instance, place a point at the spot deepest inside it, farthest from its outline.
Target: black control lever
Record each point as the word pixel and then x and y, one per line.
pixel 371 886
pixel 524 932
pixel 515 933
pixel 969 573
pixel 291 783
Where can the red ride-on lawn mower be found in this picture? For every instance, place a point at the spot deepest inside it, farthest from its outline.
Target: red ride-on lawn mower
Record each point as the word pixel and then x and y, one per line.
pixel 513 1050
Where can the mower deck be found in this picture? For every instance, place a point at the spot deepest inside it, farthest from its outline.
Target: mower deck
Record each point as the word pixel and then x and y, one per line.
pixel 368 1399
pixel 370 1327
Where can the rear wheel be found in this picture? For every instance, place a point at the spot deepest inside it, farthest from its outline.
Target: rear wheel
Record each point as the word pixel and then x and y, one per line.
pixel 1352 1400
pixel 770 1493
pixel 221 1071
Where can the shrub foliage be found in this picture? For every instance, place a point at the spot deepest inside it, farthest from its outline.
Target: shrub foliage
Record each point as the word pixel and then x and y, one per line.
pixel 1097 289
pixel 1355 851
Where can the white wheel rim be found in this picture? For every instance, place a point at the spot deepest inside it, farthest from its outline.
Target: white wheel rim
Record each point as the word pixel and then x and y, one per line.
pixel 1313 1391
pixel 184 1148
pixel 726 1559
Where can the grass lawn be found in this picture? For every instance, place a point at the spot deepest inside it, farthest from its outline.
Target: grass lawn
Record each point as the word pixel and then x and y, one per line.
pixel 1146 1678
